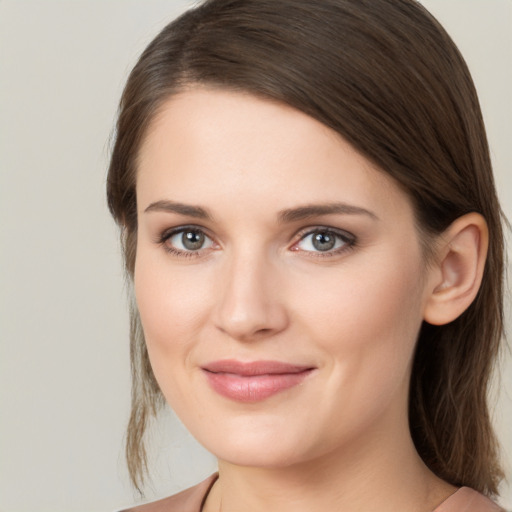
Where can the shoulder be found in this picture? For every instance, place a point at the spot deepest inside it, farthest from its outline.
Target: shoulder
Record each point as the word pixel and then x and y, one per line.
pixel 189 500
pixel 468 500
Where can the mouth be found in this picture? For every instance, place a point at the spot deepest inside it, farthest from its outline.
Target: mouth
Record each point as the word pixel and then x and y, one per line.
pixel 253 381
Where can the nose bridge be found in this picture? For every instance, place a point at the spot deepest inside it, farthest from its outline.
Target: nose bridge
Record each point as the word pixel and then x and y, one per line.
pixel 249 306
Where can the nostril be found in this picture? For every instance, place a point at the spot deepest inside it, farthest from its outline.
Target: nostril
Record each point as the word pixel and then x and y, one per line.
pixel 248 307
pixel 255 327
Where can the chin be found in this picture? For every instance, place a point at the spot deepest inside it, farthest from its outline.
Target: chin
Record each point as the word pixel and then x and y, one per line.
pixel 268 456
pixel 258 445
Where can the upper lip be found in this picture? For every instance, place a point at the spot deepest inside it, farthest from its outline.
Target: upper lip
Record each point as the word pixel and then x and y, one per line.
pixel 254 368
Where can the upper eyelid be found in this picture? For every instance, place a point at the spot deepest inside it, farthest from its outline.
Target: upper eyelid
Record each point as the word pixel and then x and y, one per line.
pixel 179 229
pixel 304 230
pixel 313 229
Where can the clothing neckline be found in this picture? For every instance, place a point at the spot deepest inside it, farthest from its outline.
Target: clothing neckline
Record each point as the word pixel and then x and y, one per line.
pixel 462 493
pixel 213 479
pixel 453 495
pixel 211 482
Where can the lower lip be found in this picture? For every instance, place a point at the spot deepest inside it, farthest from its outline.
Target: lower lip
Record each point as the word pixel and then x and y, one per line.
pixel 253 388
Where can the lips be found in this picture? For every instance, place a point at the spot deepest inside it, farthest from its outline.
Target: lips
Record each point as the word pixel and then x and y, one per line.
pixel 253 381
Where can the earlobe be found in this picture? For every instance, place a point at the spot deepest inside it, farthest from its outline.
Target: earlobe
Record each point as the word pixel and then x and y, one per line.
pixel 458 272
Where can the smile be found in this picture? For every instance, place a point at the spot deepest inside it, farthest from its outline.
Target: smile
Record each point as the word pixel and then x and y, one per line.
pixel 254 381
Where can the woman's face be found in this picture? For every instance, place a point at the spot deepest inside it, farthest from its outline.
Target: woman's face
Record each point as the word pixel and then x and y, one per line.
pixel 279 278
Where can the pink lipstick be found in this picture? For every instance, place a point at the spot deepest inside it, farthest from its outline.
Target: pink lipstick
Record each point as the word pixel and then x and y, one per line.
pixel 254 381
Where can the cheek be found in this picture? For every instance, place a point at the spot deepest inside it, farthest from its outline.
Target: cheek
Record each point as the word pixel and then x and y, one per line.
pixel 366 318
pixel 365 327
pixel 172 306
pixel 372 295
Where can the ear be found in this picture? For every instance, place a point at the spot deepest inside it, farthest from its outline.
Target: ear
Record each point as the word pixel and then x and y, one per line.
pixel 456 276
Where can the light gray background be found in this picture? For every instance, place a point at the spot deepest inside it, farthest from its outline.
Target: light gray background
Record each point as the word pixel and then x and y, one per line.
pixel 64 382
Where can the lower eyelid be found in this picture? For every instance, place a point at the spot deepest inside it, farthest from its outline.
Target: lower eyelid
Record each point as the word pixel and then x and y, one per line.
pixel 183 254
pixel 340 251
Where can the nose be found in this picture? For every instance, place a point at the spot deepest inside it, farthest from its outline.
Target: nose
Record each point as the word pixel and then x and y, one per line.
pixel 249 303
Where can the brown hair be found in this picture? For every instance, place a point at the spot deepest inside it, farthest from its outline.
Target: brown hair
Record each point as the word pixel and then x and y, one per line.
pixel 386 76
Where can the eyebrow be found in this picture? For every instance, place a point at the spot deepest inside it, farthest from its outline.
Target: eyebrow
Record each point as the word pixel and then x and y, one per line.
pixel 313 210
pixel 181 208
pixel 284 216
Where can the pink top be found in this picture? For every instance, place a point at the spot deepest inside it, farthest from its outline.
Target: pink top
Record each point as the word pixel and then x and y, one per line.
pixel 192 500
pixel 468 500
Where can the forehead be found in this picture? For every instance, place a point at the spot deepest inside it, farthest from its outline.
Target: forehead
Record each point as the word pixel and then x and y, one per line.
pixel 210 145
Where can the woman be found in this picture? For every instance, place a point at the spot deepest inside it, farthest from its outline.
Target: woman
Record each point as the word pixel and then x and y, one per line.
pixel 311 227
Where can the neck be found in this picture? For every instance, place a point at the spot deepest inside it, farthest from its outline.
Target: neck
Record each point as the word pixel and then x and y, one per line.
pixel 374 474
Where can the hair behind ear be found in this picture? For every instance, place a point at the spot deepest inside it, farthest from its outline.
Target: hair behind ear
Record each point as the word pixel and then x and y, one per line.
pixel 451 372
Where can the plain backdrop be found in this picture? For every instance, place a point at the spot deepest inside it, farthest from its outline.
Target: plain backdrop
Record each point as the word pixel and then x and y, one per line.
pixel 64 378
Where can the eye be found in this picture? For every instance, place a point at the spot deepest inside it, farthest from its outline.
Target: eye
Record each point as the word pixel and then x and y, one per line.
pixel 325 241
pixel 186 241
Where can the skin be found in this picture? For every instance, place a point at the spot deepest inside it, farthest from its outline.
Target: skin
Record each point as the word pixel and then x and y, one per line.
pixel 259 290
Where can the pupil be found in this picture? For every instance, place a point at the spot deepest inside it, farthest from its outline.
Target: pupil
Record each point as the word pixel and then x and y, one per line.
pixel 192 240
pixel 323 241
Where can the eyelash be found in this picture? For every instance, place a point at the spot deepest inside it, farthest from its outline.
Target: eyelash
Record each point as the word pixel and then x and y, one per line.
pixel 168 234
pixel 349 241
